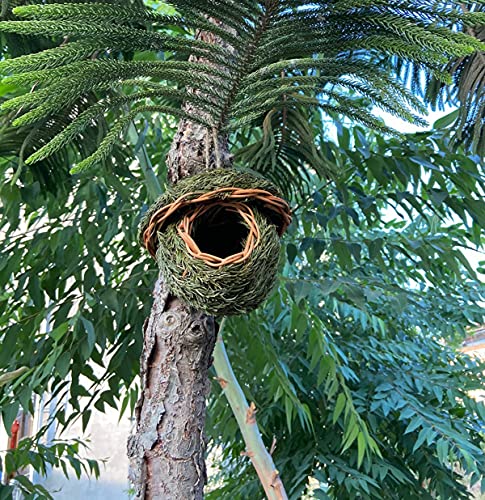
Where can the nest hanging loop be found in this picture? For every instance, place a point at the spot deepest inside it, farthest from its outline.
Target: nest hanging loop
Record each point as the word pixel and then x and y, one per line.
pixel 215 237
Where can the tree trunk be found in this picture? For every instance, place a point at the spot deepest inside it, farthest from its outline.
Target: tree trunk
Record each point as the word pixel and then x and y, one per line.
pixel 167 449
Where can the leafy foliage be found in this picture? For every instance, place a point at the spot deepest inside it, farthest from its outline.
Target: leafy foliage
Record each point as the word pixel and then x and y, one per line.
pixel 348 352
pixel 346 362
pixel 352 369
pixel 269 54
pixel 367 409
pixel 59 454
pixel 73 284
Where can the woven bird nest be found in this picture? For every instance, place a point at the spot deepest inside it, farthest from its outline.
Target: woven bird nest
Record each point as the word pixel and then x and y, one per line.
pixel 215 237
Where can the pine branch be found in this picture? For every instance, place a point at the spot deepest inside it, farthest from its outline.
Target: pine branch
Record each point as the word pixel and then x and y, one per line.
pixel 324 48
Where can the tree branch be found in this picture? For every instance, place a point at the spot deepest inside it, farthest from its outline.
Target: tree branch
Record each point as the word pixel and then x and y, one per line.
pixel 246 419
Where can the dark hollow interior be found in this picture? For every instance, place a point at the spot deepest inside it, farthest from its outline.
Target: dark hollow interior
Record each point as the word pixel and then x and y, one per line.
pixel 220 232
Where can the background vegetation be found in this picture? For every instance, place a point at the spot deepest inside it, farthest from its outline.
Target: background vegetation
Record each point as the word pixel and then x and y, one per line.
pixel 351 362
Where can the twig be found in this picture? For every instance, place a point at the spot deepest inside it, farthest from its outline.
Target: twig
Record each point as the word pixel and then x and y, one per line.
pixel 273 446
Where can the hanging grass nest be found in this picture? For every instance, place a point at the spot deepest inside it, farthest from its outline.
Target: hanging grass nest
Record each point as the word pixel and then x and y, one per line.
pixel 215 237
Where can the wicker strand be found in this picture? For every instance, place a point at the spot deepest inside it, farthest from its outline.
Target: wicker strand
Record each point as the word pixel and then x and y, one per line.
pixel 230 195
pixel 184 229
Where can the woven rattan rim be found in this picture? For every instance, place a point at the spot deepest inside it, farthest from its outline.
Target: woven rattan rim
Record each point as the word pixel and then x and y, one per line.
pixel 223 196
pixel 247 215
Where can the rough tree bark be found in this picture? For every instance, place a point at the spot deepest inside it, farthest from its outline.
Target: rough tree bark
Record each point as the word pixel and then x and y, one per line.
pixel 167 449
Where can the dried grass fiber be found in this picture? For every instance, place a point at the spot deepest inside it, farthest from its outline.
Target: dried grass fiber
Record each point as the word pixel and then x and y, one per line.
pixel 218 286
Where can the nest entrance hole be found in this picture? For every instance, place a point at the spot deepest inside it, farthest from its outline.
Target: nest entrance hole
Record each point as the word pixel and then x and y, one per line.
pixel 220 231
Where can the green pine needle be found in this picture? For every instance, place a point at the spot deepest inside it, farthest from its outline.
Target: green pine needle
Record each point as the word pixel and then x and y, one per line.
pixel 266 56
